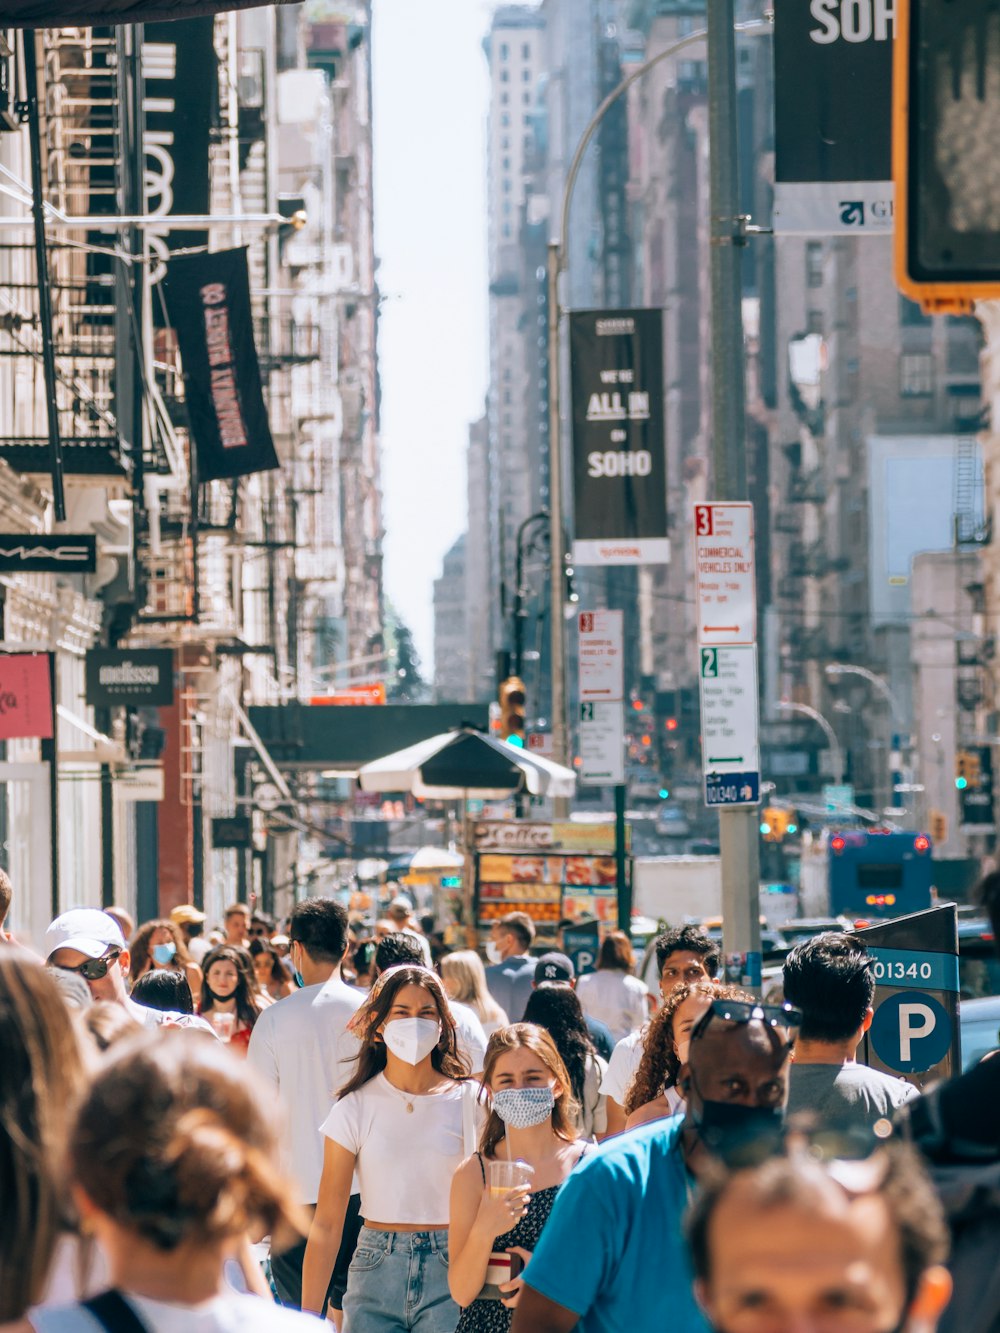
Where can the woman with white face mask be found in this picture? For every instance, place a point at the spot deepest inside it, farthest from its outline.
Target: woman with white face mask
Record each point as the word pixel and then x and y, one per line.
pixel 402 1125
pixel 532 1120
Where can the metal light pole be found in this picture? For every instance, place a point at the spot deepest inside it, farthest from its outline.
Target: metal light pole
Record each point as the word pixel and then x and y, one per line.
pixel 519 612
pixel 556 263
pixel 881 685
pixel 836 753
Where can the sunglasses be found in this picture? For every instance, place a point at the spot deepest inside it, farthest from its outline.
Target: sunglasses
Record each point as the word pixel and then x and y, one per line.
pixel 93 969
pixel 744 1011
pixel 258 932
pixel 851 1154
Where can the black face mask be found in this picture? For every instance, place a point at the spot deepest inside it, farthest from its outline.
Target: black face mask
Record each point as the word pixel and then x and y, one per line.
pixel 738 1134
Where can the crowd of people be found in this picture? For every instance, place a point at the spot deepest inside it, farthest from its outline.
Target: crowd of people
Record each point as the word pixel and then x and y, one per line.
pixel 245 1129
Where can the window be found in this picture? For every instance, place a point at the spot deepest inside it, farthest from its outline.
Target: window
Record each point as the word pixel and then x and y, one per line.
pixel 814 264
pixel 504 75
pixel 526 51
pixel 526 99
pixel 916 375
pixel 504 99
pixel 506 185
pixel 910 314
pixel 814 322
pixel 506 208
pixel 505 120
pixel 506 231
pixel 526 76
pixel 504 50
pixel 505 143
pixel 506 164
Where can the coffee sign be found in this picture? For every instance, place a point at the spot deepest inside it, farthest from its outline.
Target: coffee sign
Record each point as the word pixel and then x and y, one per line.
pixel 132 677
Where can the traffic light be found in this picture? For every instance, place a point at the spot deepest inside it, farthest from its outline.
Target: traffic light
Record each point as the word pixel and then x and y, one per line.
pixel 512 700
pixel 938 822
pixel 775 824
pixel 946 99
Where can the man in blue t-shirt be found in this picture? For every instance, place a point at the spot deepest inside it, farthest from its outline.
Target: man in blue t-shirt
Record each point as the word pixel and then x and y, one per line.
pixel 612 1257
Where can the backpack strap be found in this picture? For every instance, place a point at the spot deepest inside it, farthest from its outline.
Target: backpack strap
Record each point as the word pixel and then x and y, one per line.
pixel 114 1312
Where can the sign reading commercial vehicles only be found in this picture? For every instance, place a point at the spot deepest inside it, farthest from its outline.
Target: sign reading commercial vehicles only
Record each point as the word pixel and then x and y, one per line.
pixel 727 650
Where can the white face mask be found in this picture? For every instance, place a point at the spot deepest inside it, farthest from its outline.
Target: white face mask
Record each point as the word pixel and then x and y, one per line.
pixel 411 1039
pixel 493 954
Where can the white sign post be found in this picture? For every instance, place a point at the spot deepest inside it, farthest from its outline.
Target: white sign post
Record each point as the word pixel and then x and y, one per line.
pixel 602 744
pixel 727 649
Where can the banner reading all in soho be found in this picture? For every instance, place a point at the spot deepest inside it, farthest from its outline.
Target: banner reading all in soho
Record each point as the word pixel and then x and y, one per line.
pixel 208 301
pixel 619 457
pixel 833 117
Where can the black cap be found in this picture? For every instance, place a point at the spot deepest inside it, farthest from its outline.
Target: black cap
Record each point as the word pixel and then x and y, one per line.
pixel 553 967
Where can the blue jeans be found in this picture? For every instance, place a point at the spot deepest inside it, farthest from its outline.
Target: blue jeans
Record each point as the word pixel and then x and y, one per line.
pixel 399 1280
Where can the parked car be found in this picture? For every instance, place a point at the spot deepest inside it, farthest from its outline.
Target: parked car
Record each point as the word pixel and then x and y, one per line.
pixel 671 822
pixel 980 1023
pixel 978 964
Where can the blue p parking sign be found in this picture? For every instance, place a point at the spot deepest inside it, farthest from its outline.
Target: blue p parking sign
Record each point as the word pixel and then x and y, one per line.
pixel 911 1032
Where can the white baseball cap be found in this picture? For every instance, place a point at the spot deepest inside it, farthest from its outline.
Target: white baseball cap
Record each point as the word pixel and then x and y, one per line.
pixel 85 929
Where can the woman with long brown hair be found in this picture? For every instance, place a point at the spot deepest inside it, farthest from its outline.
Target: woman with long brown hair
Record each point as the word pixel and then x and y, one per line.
pixel 171 1164
pixel 40 1076
pixel 532 1119
pixel 613 994
pixel 230 999
pixel 402 1125
pixel 160 944
pixel 653 1094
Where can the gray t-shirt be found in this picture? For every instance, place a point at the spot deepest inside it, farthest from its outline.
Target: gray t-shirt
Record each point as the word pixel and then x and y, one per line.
pixel 846 1094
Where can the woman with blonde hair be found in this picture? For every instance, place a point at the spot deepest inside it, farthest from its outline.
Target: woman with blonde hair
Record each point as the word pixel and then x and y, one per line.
pixel 171 1164
pixel 464 979
pixel 532 1119
pixel 40 1076
pixel 402 1125
pixel 613 994
pixel 160 944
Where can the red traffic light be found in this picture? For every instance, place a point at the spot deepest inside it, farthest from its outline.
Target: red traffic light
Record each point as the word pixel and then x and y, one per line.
pixel 671 724
pixel 921 843
pixel 837 844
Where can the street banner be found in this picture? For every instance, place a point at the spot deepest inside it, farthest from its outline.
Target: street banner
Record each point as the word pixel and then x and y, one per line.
pixel 208 301
pixel 180 101
pixel 25 696
pixel 131 677
pixel 619 454
pixel 833 117
pixel 93 13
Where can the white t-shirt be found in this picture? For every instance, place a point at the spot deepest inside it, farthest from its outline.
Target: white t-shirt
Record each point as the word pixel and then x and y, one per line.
pixel 231 1313
pixel 615 998
pixel 406 1159
pixel 625 1060
pixel 470 1035
pixel 301 1046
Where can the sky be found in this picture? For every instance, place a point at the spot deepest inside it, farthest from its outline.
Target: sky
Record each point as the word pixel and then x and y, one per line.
pixel 431 91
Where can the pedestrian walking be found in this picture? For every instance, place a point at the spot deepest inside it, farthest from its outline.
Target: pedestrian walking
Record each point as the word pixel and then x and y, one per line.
pixel 171 1165
pixel 272 979
pixel 654 1094
pixel 532 1120
pixel 556 969
pixel 398 949
pixel 159 945
pixel 613 994
pixel 90 943
pixel 403 1124
pixel 684 954
pixel 191 923
pixel 808 1242
pixel 597 1264
pixel 830 979
pixel 230 1000
pixel 300 1046
pixel 557 1009
pixel 464 979
pixel 41 1074
pixel 512 971
pixel 164 988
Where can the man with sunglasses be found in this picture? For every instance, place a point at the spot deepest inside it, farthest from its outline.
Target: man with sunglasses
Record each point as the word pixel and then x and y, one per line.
pixel 809 1242
pixel 90 943
pixel 612 1257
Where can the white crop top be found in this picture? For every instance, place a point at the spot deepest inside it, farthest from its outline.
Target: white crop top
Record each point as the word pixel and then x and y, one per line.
pixel 406 1159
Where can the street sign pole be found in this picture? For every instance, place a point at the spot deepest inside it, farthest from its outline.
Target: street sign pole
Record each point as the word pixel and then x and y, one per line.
pixel 738 834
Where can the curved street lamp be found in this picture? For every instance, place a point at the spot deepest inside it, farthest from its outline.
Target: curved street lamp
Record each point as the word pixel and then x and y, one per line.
pixel 836 753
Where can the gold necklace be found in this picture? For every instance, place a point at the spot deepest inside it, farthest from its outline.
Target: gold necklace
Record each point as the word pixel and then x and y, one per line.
pixel 399 1092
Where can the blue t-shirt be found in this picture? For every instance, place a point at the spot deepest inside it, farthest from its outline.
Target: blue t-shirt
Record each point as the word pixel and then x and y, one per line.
pixel 613 1249
pixel 511 983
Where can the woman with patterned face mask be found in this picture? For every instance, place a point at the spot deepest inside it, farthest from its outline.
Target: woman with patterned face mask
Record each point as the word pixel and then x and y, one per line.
pixel 402 1125
pixel 533 1121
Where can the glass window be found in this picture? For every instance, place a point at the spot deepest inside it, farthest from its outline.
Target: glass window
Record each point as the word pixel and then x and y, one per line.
pixel 814 263
pixel 526 51
pixel 916 375
pixel 504 51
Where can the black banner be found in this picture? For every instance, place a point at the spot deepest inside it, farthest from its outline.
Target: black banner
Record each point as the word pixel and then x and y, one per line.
pixel 619 457
pixel 180 100
pixel 208 301
pixel 93 13
pixel 233 831
pixel 833 115
pixel 134 677
pixel 62 554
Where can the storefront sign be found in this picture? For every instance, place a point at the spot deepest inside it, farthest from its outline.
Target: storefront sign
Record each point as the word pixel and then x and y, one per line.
pixel 520 835
pixel 25 697
pixel 619 455
pixel 62 554
pixel 133 677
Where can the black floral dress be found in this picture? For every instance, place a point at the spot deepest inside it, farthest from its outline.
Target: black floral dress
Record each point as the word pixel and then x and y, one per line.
pixel 492 1316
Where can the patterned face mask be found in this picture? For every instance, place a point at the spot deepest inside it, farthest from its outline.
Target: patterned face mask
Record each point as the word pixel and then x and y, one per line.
pixel 523 1107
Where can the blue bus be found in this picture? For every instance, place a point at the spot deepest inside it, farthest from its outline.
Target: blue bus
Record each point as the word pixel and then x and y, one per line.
pixel 877 875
